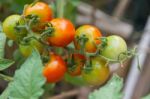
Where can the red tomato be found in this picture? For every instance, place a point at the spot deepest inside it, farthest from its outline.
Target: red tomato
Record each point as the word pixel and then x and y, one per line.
pixel 63 33
pixel 91 33
pixel 54 69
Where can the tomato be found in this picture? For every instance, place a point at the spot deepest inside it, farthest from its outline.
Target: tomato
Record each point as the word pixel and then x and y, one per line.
pixel 63 33
pixel 99 72
pixel 78 63
pixel 41 9
pixel 26 49
pixel 91 33
pixel 54 69
pixel 9 25
pixel 115 46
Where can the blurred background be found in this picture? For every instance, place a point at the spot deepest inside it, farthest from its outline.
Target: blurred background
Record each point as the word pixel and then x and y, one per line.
pixel 128 18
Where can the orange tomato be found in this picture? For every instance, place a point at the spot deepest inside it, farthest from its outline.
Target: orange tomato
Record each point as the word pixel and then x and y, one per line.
pixel 54 69
pixel 91 33
pixel 41 9
pixel 63 33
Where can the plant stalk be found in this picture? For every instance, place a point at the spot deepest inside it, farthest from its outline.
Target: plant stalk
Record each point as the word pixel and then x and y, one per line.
pixel 60 8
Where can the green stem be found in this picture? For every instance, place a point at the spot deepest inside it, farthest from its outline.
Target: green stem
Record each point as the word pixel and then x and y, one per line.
pixel 34 2
pixel 7 78
pixel 60 8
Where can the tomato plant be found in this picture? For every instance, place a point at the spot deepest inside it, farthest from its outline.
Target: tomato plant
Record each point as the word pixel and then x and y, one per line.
pixel 99 72
pixel 55 69
pixel 87 36
pixel 52 49
pixel 63 32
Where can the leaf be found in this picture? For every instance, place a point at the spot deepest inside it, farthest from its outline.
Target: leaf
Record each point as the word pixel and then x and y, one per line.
pixel 5 94
pixel 2 42
pixel 28 80
pixel 78 81
pixel 70 11
pixel 5 63
pixel 146 97
pixel 110 91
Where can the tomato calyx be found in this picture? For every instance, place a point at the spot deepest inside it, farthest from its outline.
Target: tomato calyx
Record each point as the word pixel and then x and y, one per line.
pixel 48 31
pixel 82 40
pixel 88 66
pixel 103 44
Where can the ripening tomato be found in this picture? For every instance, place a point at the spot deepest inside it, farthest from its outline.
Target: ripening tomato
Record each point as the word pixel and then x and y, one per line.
pixel 54 69
pixel 91 33
pixel 41 9
pixel 9 25
pixel 44 13
pixel 78 62
pixel 26 49
pixel 63 33
pixel 99 72
pixel 115 46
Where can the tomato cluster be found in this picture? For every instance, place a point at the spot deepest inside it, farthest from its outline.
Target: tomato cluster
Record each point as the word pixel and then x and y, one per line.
pixel 89 57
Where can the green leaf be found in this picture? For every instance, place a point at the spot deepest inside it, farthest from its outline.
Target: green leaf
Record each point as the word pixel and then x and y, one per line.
pixel 110 91
pixel 2 42
pixel 78 81
pixel 146 97
pixel 5 63
pixel 28 80
pixel 70 11
pixel 5 94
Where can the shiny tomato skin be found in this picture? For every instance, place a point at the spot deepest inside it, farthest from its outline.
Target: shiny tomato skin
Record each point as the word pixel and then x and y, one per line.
pixel 41 9
pixel 9 25
pixel 55 69
pixel 99 73
pixel 92 33
pixel 115 46
pixel 79 61
pixel 63 33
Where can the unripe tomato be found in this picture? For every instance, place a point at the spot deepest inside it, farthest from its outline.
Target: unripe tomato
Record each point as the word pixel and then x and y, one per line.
pixel 26 49
pixel 99 72
pixel 55 69
pixel 115 46
pixel 91 33
pixel 9 25
pixel 78 63
pixel 63 33
pixel 41 9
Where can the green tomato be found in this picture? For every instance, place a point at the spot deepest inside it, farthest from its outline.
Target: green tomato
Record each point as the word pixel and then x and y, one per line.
pixel 26 49
pixel 115 46
pixel 99 72
pixel 9 25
